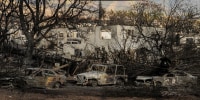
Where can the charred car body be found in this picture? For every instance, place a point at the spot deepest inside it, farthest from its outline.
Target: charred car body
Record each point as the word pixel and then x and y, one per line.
pixel 144 81
pixel 175 78
pixel 103 74
pixel 44 78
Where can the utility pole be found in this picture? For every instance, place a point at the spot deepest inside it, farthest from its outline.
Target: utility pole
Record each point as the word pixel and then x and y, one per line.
pixel 164 5
pixel 100 13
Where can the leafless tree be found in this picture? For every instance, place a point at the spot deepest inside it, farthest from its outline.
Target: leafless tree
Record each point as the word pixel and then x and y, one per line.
pixel 8 12
pixel 143 14
pixel 38 17
pixel 180 20
pixel 179 17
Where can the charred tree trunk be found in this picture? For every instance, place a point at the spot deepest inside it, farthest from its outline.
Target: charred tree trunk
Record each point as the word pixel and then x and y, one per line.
pixel 29 36
pixel 29 50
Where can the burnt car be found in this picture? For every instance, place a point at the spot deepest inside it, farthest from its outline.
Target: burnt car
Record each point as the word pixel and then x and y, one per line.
pixel 175 78
pixel 103 74
pixel 44 78
pixel 7 82
pixel 144 81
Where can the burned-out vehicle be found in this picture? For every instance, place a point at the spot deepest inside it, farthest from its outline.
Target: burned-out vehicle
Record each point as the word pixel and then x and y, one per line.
pixel 175 78
pixel 44 78
pixel 103 74
pixel 7 82
pixel 144 81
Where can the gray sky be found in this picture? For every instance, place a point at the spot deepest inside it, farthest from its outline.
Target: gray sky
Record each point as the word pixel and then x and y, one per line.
pixel 125 4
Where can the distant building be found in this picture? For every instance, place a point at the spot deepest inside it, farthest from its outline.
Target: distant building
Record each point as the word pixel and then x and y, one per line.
pixel 190 39
pixel 18 37
pixel 85 40
pixel 120 37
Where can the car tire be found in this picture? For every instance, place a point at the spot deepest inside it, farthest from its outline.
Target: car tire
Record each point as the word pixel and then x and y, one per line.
pixel 120 82
pixel 158 84
pixel 57 85
pixel 189 85
pixel 93 83
pixel 22 85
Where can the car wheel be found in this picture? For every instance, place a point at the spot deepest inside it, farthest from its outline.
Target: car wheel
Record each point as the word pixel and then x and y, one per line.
pixel 158 84
pixel 120 82
pixel 93 83
pixel 189 85
pixel 57 85
pixel 22 85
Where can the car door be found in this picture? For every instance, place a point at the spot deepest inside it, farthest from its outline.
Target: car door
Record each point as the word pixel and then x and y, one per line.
pixel 51 78
pixel 169 79
pixel 110 77
pixel 181 77
pixel 36 79
pixel 39 79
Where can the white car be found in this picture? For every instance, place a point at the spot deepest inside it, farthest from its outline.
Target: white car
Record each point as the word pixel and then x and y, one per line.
pixel 103 74
pixel 175 78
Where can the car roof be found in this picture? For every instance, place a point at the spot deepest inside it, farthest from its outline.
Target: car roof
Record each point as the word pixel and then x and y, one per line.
pixel 107 64
pixel 36 68
pixel 32 68
pixel 144 77
pixel 175 71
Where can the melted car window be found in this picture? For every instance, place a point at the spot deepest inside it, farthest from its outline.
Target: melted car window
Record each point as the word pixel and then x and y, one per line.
pixel 148 80
pixel 140 81
pixel 120 70
pixel 170 75
pixel 48 72
pixel 110 70
pixel 98 68
pixel 181 74
pixel 39 74
pixel 28 72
